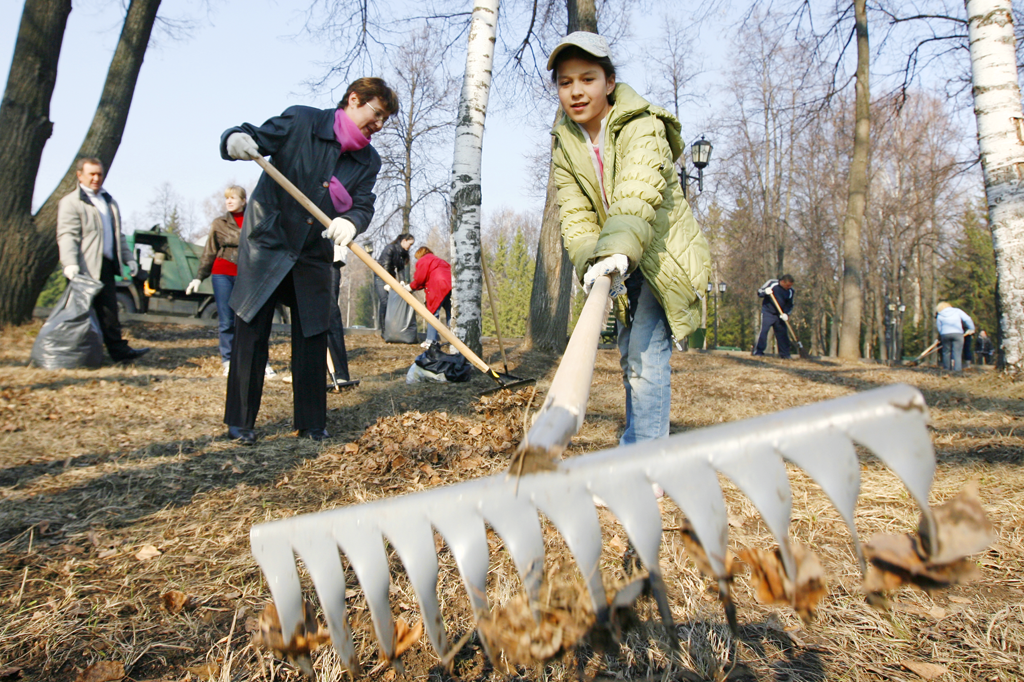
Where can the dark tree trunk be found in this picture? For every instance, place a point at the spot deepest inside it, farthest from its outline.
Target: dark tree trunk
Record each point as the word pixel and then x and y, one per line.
pixel 548 324
pixel 28 245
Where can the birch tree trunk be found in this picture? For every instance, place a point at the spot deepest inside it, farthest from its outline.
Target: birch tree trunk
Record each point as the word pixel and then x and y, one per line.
pixel 465 195
pixel 856 206
pixel 548 324
pixel 1001 139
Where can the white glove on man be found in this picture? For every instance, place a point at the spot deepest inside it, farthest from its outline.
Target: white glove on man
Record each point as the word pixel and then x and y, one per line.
pixel 785 317
pixel 615 266
pixel 193 287
pixel 71 271
pixel 133 267
pixel 242 146
pixel 341 231
pixel 407 287
pixel 387 287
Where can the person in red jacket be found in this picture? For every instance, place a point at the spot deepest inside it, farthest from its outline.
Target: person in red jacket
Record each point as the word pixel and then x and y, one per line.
pixel 434 275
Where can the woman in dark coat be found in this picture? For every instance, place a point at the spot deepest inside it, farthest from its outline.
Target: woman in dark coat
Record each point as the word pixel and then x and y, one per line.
pixel 394 258
pixel 284 255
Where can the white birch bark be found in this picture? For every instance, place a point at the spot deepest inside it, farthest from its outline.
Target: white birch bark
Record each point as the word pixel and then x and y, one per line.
pixel 1001 139
pixel 465 194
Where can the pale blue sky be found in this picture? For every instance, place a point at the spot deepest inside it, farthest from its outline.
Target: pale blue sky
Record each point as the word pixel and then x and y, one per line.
pixel 241 65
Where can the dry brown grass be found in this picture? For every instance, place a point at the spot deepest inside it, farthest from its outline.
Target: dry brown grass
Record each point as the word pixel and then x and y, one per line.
pixel 98 466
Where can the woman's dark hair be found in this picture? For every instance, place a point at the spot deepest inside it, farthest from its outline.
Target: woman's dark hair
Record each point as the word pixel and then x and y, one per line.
pixel 573 51
pixel 402 237
pixel 422 251
pixel 367 88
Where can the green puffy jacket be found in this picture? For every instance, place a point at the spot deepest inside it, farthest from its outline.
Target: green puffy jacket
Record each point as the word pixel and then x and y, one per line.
pixel 648 219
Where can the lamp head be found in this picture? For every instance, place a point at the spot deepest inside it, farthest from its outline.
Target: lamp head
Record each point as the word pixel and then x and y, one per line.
pixel 700 152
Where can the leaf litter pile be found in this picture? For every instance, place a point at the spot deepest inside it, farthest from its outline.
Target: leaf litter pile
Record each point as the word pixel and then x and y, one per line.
pixel 125 517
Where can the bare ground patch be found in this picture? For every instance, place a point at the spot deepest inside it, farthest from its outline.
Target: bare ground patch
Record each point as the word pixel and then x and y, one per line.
pixel 116 488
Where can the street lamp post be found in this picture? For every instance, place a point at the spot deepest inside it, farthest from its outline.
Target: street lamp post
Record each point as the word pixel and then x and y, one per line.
pixel 700 154
pixel 720 290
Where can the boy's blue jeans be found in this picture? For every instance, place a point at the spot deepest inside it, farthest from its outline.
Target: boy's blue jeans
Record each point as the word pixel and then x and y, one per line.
pixel 223 285
pixel 646 348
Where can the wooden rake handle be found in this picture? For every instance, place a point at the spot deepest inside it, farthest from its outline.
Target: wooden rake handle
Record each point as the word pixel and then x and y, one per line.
pixel 377 269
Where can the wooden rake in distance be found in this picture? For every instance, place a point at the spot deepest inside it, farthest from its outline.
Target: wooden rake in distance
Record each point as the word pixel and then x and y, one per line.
pixel 804 355
pixel 502 380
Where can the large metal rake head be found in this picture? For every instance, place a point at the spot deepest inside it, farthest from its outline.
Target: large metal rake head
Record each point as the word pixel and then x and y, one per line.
pixel 818 438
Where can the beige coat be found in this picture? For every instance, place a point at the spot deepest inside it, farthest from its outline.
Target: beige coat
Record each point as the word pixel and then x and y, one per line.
pixel 80 233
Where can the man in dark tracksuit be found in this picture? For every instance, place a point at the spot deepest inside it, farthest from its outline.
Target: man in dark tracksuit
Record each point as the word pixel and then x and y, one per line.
pixel 770 317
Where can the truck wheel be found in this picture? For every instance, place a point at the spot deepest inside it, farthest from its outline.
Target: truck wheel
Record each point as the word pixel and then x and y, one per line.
pixel 125 303
pixel 209 312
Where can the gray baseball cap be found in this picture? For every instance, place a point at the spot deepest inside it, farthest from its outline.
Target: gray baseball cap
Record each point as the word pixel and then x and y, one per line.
pixel 589 42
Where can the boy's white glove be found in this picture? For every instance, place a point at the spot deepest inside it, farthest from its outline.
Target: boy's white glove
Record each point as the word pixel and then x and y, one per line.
pixel 133 267
pixel 193 287
pixel 615 266
pixel 785 317
pixel 341 231
pixel 71 271
pixel 407 287
pixel 387 287
pixel 242 146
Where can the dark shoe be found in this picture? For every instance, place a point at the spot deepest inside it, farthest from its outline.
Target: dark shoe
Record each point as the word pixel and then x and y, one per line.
pixel 314 434
pixel 131 354
pixel 242 435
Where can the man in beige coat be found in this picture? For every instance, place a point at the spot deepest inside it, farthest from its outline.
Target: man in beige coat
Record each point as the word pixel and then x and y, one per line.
pixel 90 242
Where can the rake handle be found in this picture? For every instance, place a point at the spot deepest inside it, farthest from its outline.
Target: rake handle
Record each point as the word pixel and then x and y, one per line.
pixel 494 308
pixel 788 325
pixel 377 269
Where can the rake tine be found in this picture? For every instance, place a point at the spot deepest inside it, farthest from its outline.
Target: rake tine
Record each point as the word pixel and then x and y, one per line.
pixel 272 549
pixel 515 520
pixel 628 495
pixel 364 547
pixel 838 474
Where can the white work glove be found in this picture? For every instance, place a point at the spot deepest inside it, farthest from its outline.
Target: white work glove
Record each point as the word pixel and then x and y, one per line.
pixel 341 231
pixel 615 266
pixel 133 267
pixel 242 146
pixel 387 287
pixel 407 288
pixel 71 271
pixel 785 317
pixel 193 287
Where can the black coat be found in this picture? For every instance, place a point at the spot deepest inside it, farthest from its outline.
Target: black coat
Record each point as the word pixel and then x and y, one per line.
pixel 278 235
pixel 394 259
pixel 783 296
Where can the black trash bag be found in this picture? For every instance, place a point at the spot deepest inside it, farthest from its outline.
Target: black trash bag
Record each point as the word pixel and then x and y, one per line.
pixel 71 335
pixel 399 321
pixel 454 367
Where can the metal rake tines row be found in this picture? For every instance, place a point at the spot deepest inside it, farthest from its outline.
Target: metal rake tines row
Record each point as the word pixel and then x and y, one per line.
pixel 819 438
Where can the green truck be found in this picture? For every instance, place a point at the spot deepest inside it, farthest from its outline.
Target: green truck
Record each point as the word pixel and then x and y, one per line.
pixel 160 288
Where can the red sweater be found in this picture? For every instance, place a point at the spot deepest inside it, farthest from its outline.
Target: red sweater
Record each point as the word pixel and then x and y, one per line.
pixel 434 275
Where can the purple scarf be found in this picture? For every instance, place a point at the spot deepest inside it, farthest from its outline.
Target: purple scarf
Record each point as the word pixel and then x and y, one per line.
pixel 351 138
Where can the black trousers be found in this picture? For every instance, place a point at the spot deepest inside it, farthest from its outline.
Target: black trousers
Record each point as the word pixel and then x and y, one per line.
pixel 105 305
pixel 249 361
pixel 770 321
pixel 336 330
pixel 382 302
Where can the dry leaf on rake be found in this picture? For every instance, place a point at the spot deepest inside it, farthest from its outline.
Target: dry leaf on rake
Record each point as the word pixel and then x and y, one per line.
pixel 695 550
pixel 406 636
pixel 102 671
pixel 175 601
pixel 962 525
pixel 309 635
pixel 772 586
pixel 898 560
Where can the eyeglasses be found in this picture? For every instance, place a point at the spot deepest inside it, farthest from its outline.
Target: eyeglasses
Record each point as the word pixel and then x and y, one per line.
pixel 381 117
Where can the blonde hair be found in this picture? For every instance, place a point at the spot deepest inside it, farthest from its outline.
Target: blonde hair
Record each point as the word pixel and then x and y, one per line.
pixel 236 191
pixel 942 305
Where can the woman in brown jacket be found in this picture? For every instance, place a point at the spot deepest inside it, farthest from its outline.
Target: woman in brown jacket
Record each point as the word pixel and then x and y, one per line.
pixel 220 260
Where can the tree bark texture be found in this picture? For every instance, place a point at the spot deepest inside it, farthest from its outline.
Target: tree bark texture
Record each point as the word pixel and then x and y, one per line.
pixel 28 245
pixel 465 195
pixel 853 277
pixel 547 328
pixel 997 109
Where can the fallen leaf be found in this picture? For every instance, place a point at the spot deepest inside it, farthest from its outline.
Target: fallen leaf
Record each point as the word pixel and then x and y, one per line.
pixel 174 601
pixel 962 527
pixel 308 636
pixel 927 671
pixel 351 448
pixel 899 560
pixel 147 552
pixel 960 600
pixel 207 671
pixel 773 586
pixel 406 636
pixel 102 671
pixel 617 545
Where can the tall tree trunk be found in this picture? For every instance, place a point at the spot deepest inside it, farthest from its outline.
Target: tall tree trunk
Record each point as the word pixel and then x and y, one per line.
pixel 1001 139
pixel 28 245
pixel 548 324
pixel 856 205
pixel 465 195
